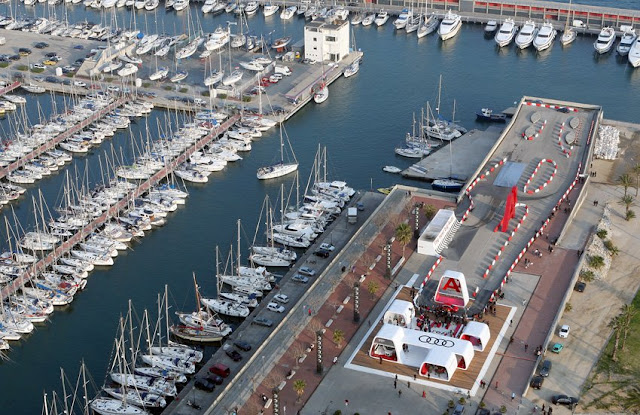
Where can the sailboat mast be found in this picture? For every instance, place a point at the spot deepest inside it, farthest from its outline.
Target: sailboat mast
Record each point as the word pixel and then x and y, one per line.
pixel 166 309
pixel 239 253
pixel 439 91
pixel 64 391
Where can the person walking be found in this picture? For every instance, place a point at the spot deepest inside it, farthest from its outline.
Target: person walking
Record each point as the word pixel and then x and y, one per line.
pixel 395 385
pixel 526 347
pixel 399 393
pixel 513 396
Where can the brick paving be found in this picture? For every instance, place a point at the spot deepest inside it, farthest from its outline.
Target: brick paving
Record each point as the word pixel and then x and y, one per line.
pixel 341 321
pixel 555 271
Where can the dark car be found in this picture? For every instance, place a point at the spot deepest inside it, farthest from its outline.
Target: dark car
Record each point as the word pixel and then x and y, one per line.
pixel 215 379
pixel 536 382
pixel 580 286
pixel 220 370
pixel 242 345
pixel 545 369
pixel 459 409
pixel 24 51
pixel 41 45
pixel 52 79
pixel 563 109
pixel 14 57
pixel 569 401
pixel 79 47
pixel 261 321
pixel 205 385
pixel 483 411
pixel 323 253
pixel 233 355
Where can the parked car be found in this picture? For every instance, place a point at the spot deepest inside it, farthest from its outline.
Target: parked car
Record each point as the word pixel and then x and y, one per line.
pixel 557 348
pixel 360 206
pixel 80 84
pixel 205 385
pixel 261 321
pixel 37 66
pixel 113 88
pixel 220 370
pixel 234 355
pixel 545 369
pixel 327 246
pixel 322 253
pixel 459 409
pixel 580 286
pixel 569 401
pixel 275 307
pixel 52 79
pixel 50 62
pixel 215 379
pixel 78 47
pixel 14 57
pixel 536 382
pixel 24 51
pixel 281 298
pixel 564 331
pixel 300 278
pixel 307 271
pixel 41 45
pixel 242 345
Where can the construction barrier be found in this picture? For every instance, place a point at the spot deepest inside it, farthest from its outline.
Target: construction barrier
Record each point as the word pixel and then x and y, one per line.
pixel 565 151
pixel 535 171
pixel 506 243
pixel 554 107
pixel 537 133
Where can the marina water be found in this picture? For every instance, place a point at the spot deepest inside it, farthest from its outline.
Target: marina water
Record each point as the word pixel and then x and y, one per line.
pixel 365 117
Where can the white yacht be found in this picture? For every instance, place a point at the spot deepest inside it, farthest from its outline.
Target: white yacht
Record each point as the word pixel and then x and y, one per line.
pixel 634 53
pixel 368 19
pixel 491 26
pixel 217 39
pixel 288 13
pixel 401 22
pixel 208 6
pixel 110 406
pixel 626 41
pixel 161 73
pixel 450 26
pixel 251 8
pixel 545 37
pixel 232 78
pixel 527 34
pixel 270 9
pixel 506 33
pixel 225 307
pixel 128 69
pixel 381 18
pixel 180 5
pixel 605 40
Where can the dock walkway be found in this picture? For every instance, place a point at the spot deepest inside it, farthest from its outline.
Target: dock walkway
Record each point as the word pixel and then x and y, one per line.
pixel 114 210
pixel 50 144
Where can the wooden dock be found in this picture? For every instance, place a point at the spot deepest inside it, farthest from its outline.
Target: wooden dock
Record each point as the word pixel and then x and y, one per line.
pixel 9 87
pixel 113 211
pixel 50 145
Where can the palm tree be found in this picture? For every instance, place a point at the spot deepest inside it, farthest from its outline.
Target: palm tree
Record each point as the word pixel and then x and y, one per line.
pixel 631 402
pixel 627 201
pixel 636 170
pixel 299 386
pixel 429 211
pixel 625 181
pixel 403 235
pixel 373 288
pixel 627 312
pixel 616 324
pixel 338 337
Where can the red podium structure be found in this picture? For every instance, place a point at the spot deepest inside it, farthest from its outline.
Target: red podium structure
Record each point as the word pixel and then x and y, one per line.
pixel 509 210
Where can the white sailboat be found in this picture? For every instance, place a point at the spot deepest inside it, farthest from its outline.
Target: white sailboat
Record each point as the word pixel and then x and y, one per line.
pixel 280 168
pixel 569 34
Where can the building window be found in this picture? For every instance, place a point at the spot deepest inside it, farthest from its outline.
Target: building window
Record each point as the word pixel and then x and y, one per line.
pixel 315 48
pixel 330 38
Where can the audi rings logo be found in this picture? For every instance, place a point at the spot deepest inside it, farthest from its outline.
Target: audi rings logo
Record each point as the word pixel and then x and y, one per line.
pixel 436 341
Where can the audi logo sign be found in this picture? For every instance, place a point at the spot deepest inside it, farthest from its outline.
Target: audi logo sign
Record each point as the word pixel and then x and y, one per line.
pixel 436 341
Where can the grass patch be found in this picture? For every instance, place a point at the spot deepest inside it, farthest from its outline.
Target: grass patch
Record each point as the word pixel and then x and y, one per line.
pixel 167 88
pixel 205 93
pixel 37 70
pixel 146 84
pixel 613 380
pixel 4 64
pixel 22 67
pixel 184 90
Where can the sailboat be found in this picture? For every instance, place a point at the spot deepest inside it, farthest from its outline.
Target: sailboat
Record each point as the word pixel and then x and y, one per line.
pixel 569 34
pixel 201 325
pixel 281 168
pixel 439 128
pixel 225 307
pixel 448 184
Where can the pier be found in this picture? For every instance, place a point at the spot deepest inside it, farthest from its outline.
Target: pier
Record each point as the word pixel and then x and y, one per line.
pixel 122 204
pixel 51 144
pixel 9 87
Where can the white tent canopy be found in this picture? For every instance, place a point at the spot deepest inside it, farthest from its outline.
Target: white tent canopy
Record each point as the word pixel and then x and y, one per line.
pixel 412 348
pixel 400 313
pixel 477 333
pixel 442 359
